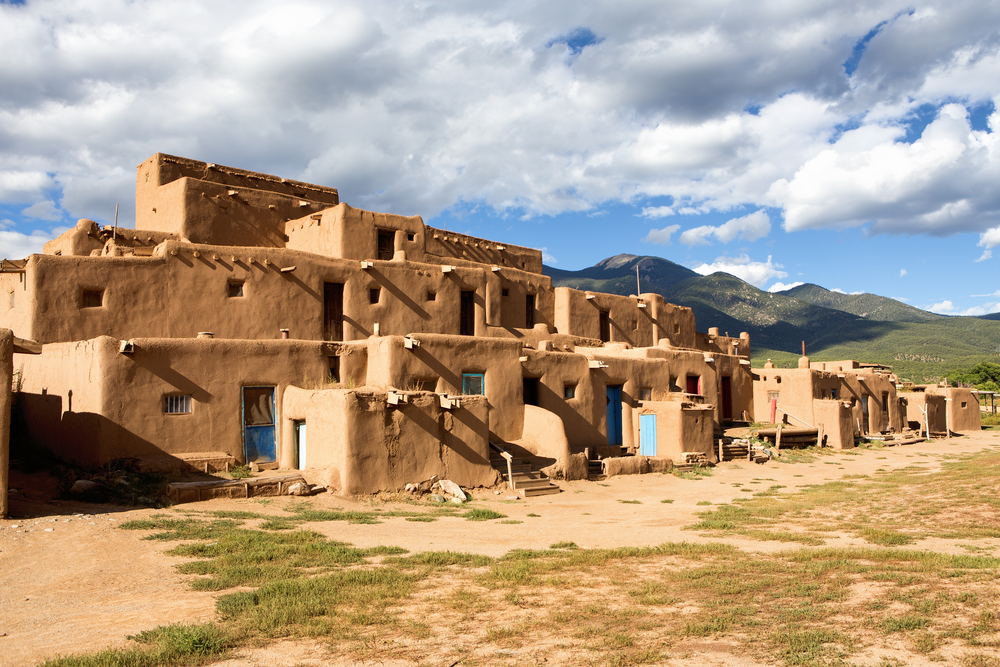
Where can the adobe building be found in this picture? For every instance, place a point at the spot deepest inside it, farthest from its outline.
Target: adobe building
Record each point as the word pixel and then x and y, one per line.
pixel 846 398
pixel 251 318
pixel 942 410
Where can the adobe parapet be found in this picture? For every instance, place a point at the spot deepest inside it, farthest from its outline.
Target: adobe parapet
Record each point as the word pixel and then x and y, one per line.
pixel 444 245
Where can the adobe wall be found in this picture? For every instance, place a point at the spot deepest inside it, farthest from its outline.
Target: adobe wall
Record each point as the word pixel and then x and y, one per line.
pixel 638 321
pixel 544 435
pixel 935 406
pixel 962 410
pixel 116 408
pixel 352 233
pixel 442 359
pixel 6 378
pixel 17 296
pixel 681 427
pixel 443 246
pixel 215 204
pixel 87 238
pixel 362 445
pixel 184 289
pixel 837 422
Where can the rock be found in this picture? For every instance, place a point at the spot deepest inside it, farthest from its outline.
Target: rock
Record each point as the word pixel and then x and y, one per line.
pixel 410 488
pixel 453 490
pixel 424 487
pixel 436 498
pixel 316 488
pixel 455 500
pixel 299 489
pixel 254 467
pixel 496 493
pixel 82 486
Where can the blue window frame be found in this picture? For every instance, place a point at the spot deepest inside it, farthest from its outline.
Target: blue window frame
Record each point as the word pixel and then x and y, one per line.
pixel 473 383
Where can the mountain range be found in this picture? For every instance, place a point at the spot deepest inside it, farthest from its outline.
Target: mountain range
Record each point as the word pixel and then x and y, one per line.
pixel 919 345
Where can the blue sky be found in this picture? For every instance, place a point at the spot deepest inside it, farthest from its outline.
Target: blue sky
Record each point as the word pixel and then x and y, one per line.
pixel 848 144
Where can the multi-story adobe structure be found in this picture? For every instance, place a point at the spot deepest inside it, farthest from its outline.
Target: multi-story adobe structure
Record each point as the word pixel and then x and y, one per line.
pixel 245 311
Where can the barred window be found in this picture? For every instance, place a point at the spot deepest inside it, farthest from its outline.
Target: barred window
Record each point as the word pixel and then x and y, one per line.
pixel 177 404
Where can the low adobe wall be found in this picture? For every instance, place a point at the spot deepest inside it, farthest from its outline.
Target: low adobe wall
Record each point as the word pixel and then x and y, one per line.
pixel 917 402
pixel 835 419
pixel 358 444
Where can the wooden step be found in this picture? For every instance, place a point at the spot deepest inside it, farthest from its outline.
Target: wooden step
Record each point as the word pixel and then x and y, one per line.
pixel 541 491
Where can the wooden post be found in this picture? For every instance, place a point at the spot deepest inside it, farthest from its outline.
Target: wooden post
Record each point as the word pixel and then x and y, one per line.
pixel 777 439
pixel 720 450
pixel 774 409
pixel 819 435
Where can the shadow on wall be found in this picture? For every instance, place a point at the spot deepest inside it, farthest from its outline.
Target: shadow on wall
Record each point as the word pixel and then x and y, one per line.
pixel 84 438
pixel 439 429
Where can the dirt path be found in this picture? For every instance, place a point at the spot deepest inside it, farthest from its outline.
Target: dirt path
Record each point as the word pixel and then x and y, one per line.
pixel 71 582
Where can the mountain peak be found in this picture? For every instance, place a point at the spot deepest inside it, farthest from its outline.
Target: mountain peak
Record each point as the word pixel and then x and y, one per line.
pixel 617 261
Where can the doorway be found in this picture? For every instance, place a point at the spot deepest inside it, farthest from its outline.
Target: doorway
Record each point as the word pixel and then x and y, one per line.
pixel 467 314
pixel 300 444
pixel 614 415
pixel 258 424
pixel 647 435
pixel 333 311
pixel 727 397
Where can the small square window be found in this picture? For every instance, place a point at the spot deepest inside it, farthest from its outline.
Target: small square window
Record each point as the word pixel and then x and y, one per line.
pixel 334 375
pixel 569 391
pixel 235 288
pixel 431 296
pixel 177 404
pixel 504 292
pixel 645 394
pixel 833 394
pixel 92 298
pixel 409 237
pixel 964 405
pixel 635 325
pixel 373 294
pixel 473 384
pixel 677 328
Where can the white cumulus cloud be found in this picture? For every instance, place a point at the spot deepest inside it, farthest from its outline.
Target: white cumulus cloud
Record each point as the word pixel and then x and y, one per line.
pixel 657 211
pixel 755 273
pixel 750 227
pixel 15 245
pixel 661 236
pixel 782 287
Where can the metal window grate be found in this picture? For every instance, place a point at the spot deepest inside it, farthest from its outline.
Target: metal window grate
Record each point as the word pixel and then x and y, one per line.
pixel 177 404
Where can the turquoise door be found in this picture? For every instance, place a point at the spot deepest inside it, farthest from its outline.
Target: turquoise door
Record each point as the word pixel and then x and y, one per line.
pixel 615 415
pixel 647 435
pixel 258 424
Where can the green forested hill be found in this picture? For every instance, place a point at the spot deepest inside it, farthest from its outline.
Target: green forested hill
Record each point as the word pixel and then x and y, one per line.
pixel 868 306
pixel 918 345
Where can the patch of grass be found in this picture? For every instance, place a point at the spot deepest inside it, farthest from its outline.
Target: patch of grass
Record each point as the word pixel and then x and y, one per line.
pixel 885 537
pixel 240 472
pixel 533 515
pixel 511 521
pixel 480 514
pixel 425 519
pixel 564 545
pixel 630 502
pixel 164 646
pixel 667 500
pixel 703 502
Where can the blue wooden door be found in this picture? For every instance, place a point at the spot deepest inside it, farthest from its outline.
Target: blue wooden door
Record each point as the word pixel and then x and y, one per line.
pixel 258 424
pixel 614 415
pixel 647 435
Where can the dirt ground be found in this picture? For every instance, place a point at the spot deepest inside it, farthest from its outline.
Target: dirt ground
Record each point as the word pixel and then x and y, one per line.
pixel 71 582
